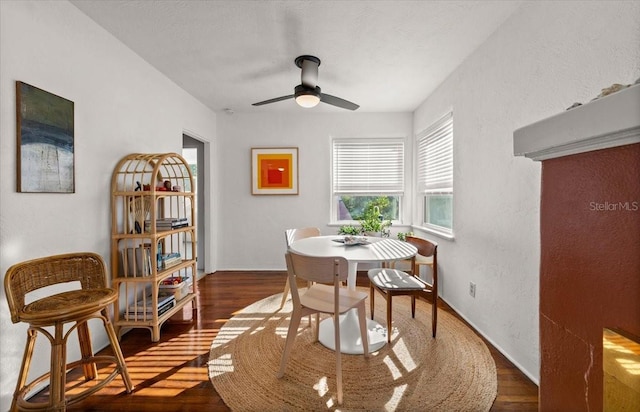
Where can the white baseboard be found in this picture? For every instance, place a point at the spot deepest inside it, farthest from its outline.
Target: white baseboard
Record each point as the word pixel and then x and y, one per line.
pixel 495 345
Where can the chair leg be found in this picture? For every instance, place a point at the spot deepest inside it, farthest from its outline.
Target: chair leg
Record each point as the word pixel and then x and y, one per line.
pixel 58 378
pixel 413 306
pixel 434 315
pixel 86 351
pixel 389 299
pixel 285 293
pixel 336 324
pixel 317 327
pixel 24 369
pixel 364 333
pixel 371 303
pixel 117 351
pixel 291 336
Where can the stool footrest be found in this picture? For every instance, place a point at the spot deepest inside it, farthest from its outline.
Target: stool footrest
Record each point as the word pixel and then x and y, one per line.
pixel 23 404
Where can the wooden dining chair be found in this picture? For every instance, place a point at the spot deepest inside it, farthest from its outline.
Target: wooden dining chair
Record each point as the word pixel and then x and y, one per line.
pixel 420 260
pixel 63 313
pixel 325 295
pixel 391 282
pixel 291 235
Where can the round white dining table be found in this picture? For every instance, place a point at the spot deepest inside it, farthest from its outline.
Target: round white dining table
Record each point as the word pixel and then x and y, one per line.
pixel 378 250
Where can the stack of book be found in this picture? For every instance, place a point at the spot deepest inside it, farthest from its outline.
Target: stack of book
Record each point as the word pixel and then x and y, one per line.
pixel 136 261
pixel 143 308
pixel 167 260
pixel 168 223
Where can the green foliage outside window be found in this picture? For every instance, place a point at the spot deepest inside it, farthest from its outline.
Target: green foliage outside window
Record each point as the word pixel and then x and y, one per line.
pixel 438 210
pixel 362 207
pixel 374 213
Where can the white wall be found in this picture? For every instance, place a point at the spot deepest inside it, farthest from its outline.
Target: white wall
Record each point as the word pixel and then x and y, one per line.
pixel 122 105
pixel 252 227
pixel 547 56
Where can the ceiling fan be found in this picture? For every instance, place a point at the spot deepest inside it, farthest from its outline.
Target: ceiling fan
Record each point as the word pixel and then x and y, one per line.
pixel 308 94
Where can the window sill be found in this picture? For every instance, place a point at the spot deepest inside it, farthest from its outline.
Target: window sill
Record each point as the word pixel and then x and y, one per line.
pixel 439 233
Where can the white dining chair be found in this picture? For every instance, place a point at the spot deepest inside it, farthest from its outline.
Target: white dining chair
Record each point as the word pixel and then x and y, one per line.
pixel 290 236
pixel 325 295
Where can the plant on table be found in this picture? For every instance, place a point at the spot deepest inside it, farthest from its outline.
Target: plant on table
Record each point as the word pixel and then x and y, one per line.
pixel 349 230
pixel 403 235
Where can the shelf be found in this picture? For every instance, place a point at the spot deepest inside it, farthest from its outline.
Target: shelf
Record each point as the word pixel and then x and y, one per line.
pixel 160 233
pixel 152 325
pixel 137 209
pixel 161 274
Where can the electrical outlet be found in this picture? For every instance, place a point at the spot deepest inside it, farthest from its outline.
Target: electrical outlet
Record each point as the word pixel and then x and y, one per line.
pixel 472 289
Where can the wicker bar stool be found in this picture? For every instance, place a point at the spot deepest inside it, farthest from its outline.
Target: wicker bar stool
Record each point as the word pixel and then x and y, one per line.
pixel 76 306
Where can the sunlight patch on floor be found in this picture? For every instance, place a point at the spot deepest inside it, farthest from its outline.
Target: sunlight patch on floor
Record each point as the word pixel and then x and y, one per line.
pixel 321 386
pixel 393 403
pixel 172 366
pixel 404 355
pixel 221 365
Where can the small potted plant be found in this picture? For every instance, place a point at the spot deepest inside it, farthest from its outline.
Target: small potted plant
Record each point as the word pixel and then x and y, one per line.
pixel 403 235
pixel 349 230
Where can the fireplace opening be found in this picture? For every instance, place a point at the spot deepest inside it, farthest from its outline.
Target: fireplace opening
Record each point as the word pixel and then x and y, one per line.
pixel 621 368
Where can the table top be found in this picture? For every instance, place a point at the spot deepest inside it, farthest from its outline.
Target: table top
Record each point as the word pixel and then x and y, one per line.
pixel 379 249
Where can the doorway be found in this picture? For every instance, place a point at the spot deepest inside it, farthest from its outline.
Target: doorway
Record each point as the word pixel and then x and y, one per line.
pixel 193 153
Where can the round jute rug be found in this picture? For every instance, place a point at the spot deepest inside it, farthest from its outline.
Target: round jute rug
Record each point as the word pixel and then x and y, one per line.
pixel 453 372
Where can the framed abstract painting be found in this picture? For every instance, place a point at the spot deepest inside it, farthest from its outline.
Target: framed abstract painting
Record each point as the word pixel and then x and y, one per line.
pixel 45 141
pixel 274 171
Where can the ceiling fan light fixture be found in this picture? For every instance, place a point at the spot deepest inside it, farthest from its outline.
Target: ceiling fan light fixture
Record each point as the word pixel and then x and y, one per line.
pixel 308 100
pixel 307 97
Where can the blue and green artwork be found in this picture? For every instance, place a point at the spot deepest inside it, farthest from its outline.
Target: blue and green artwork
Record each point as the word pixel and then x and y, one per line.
pixel 45 141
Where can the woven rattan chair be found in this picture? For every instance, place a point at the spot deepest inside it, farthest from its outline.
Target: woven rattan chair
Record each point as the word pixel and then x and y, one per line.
pixel 74 307
pixel 391 282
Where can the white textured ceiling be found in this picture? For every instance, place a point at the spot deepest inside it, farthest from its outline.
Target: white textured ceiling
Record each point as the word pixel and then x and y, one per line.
pixel 386 56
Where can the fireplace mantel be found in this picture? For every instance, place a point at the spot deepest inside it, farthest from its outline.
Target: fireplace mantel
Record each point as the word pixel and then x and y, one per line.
pixel 609 121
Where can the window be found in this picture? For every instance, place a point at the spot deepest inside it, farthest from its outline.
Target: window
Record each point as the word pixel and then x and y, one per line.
pixel 366 174
pixel 435 175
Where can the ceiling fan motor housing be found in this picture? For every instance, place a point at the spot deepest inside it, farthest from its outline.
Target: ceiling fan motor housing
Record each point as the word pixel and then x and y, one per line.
pixel 302 90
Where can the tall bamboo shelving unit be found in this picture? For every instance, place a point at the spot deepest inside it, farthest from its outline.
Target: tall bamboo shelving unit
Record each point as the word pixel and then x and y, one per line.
pixel 147 191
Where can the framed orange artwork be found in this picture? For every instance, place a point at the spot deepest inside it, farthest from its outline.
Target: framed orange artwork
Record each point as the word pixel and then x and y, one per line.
pixel 274 171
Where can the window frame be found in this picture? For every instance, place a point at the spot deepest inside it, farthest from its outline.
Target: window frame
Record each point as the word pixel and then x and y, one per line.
pixel 440 134
pixel 400 193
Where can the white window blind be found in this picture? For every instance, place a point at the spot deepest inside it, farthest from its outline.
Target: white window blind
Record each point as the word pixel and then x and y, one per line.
pixel 435 157
pixel 361 167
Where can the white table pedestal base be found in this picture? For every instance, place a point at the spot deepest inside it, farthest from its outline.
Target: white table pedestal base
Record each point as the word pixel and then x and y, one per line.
pixel 350 341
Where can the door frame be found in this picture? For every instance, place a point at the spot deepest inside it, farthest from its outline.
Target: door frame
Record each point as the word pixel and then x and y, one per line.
pixel 189 141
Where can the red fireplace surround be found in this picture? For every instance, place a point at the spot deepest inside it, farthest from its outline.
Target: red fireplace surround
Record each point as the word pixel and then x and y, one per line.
pixel 589 242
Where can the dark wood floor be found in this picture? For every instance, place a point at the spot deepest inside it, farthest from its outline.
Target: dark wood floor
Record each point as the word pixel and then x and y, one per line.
pixel 171 375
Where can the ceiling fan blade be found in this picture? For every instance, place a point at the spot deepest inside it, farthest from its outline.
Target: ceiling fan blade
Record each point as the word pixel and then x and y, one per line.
pixel 277 99
pixel 336 101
